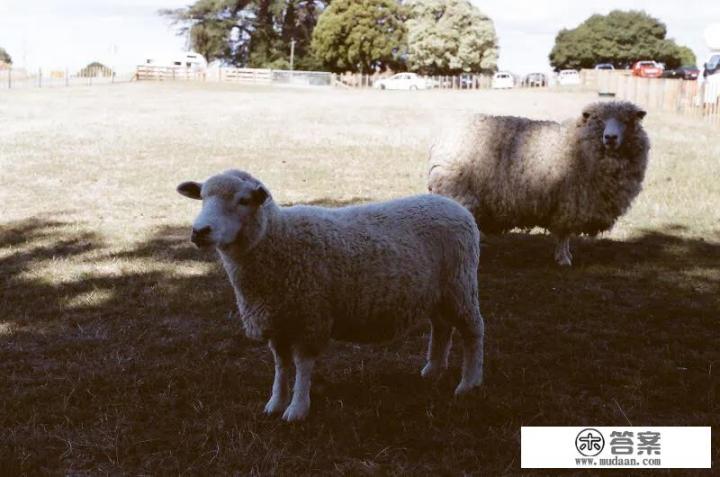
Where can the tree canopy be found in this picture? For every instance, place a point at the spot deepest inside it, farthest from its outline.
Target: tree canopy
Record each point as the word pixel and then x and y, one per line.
pixel 428 36
pixel 360 35
pixel 255 33
pixel 619 38
pixel 449 37
pixel 687 56
pixel 95 69
pixel 5 56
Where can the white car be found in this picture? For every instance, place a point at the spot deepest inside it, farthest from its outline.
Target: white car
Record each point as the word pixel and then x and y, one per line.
pixel 503 80
pixel 406 81
pixel 568 77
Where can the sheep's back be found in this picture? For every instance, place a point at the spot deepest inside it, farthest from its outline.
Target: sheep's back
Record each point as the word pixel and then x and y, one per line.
pixel 505 169
pixel 379 267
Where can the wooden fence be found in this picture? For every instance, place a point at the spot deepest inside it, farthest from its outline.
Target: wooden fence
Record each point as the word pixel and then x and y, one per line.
pixel 229 74
pixel 168 73
pixel 678 96
pixel 672 95
pixel 21 78
pixel 356 80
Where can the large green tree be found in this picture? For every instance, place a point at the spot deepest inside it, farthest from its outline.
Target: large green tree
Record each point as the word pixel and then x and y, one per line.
pixel 620 38
pixel 5 56
pixel 361 35
pixel 687 56
pixel 256 33
pixel 449 37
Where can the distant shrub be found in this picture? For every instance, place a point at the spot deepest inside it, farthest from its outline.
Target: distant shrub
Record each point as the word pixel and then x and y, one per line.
pixel 94 70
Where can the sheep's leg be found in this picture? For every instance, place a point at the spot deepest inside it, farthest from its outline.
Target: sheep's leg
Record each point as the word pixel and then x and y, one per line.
pixel 438 349
pixel 300 404
pixel 472 332
pixel 563 257
pixel 280 390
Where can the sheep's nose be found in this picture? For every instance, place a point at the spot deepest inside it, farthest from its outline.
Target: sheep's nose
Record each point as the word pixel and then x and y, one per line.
pixel 610 137
pixel 200 236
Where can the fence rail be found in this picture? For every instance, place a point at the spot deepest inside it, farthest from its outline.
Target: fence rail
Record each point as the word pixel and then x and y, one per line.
pixel 678 96
pixel 694 98
pixel 168 73
pixel 11 78
pixel 467 81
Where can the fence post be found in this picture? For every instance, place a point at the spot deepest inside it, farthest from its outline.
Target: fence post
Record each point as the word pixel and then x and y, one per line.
pixel 39 77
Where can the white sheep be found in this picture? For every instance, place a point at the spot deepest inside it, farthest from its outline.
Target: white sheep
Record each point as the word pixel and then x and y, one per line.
pixel 303 275
pixel 572 178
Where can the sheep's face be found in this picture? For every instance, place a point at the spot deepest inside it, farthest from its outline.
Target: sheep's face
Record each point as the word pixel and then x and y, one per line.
pixel 231 214
pixel 613 121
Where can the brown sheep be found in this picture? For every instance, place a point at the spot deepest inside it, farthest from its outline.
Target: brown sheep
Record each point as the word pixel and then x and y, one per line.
pixel 572 178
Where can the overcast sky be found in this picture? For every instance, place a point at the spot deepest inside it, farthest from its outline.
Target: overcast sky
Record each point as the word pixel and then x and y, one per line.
pixel 71 33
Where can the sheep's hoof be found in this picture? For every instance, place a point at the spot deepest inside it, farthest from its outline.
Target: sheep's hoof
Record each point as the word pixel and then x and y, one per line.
pixel 564 261
pixel 275 405
pixel 432 371
pixel 296 412
pixel 464 389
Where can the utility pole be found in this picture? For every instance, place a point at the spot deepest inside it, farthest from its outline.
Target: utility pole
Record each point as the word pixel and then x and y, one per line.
pixel 292 53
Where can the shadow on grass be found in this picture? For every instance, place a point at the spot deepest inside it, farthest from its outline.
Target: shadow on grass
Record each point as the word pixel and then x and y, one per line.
pixel 135 368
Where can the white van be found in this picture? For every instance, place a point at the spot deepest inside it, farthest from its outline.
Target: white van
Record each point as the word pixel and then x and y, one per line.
pixel 568 77
pixel 503 80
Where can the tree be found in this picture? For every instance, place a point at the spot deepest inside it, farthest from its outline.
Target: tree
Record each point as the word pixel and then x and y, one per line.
pixel 94 70
pixel 253 33
pixel 620 38
pixel 5 56
pixel 360 35
pixel 687 56
pixel 449 37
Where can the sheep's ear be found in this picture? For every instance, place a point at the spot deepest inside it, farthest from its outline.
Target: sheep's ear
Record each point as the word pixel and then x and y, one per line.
pixel 640 114
pixel 190 189
pixel 259 195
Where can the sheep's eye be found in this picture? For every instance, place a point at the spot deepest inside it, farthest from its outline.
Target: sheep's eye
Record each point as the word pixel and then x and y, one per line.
pixel 243 201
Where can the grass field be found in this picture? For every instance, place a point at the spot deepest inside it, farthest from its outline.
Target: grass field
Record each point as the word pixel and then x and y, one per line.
pixel 119 353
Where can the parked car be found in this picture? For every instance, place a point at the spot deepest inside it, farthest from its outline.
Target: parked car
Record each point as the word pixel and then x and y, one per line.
pixel 689 72
pixel 503 80
pixel 568 77
pixel 604 66
pixel 712 66
pixel 647 69
pixel 407 81
pixel 535 80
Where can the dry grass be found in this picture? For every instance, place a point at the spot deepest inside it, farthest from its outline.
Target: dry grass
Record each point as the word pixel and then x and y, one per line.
pixel 117 353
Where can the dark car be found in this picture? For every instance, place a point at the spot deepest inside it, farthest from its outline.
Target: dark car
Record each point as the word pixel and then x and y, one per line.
pixel 684 72
pixel 534 80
